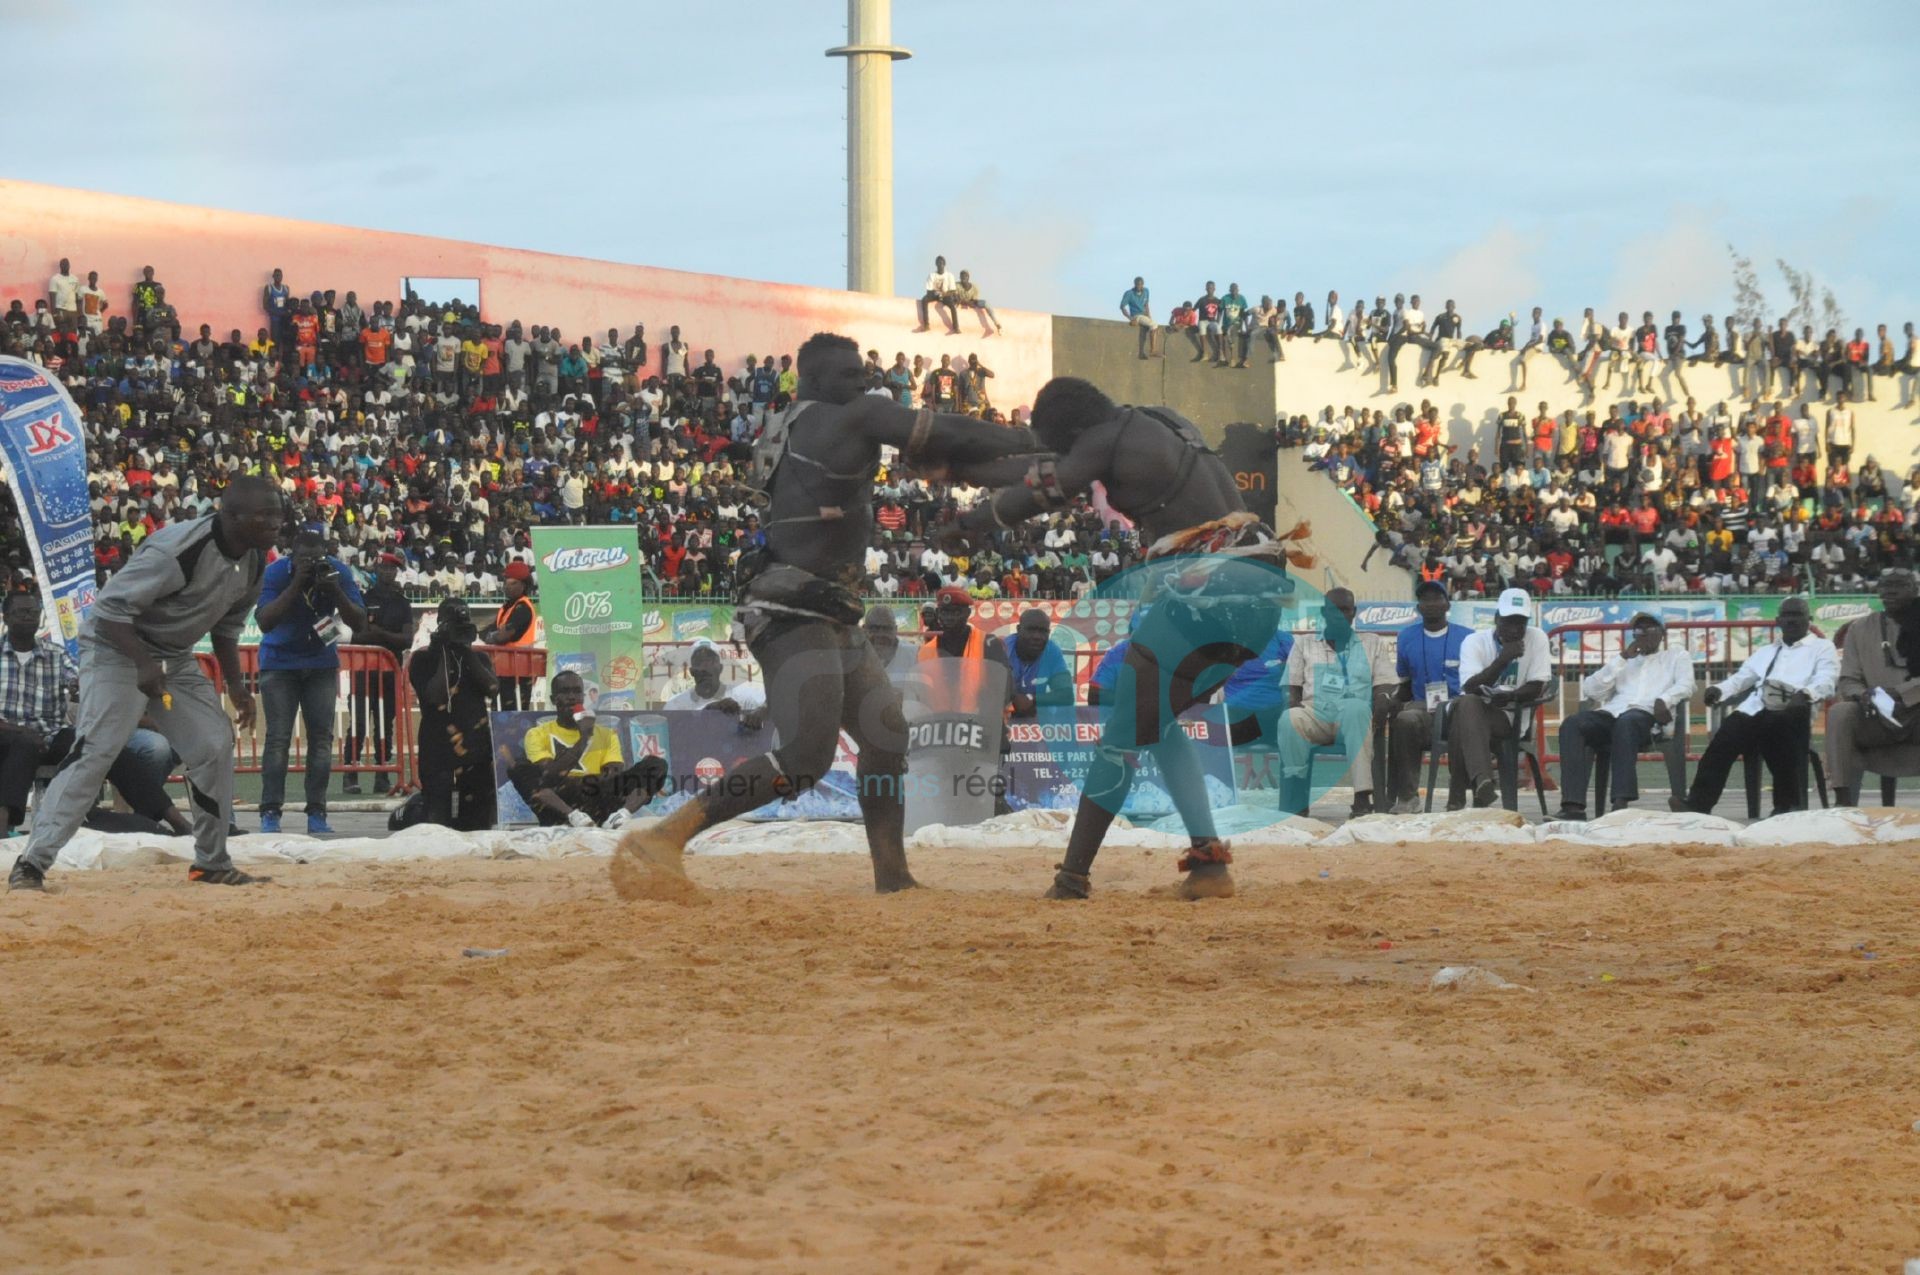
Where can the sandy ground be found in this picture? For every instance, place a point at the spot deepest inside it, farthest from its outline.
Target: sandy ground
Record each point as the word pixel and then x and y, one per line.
pixel 1710 1073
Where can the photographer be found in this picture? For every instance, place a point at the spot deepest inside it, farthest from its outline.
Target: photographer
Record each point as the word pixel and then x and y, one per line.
pixel 454 684
pixel 307 603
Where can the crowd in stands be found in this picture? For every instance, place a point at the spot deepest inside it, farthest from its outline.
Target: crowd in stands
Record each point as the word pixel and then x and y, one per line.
pixel 1757 493
pixel 424 430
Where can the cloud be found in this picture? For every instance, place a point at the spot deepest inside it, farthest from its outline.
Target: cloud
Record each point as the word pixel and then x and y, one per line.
pixel 1488 277
pixel 1682 265
pixel 1017 249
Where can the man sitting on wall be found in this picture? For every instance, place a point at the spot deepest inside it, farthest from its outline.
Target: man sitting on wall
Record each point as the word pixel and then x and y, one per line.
pixel 572 770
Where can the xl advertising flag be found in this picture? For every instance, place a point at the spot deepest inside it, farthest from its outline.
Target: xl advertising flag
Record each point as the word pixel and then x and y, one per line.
pixel 592 606
pixel 43 443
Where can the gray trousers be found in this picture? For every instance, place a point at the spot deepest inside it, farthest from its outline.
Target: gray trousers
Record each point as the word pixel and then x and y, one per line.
pixel 111 706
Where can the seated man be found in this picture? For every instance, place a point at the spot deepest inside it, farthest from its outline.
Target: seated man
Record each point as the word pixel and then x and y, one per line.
pixel 1336 687
pixel 1773 695
pixel 1881 654
pixel 1507 665
pixel 746 700
pixel 1633 692
pixel 1427 659
pixel 572 770
pixel 37 683
pixel 1040 673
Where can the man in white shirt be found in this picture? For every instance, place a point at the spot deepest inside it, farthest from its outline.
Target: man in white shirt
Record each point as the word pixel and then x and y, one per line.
pixel 1337 687
pixel 1633 693
pixel 1409 328
pixel 748 698
pixel 1773 696
pixel 63 290
pixel 1506 666
pixel 938 292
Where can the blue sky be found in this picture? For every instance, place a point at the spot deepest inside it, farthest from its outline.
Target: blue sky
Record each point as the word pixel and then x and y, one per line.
pixel 1561 153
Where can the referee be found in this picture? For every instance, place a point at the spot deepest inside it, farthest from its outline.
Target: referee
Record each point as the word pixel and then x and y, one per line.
pixel 186 580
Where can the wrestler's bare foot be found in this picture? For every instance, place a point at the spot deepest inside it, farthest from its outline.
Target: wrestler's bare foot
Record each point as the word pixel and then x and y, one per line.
pixel 893 883
pixel 649 863
pixel 1208 881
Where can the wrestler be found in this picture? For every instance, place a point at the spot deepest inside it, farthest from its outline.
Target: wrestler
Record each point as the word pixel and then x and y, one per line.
pixel 801 611
pixel 1216 578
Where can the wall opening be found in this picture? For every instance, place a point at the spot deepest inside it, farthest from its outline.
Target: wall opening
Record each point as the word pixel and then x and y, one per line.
pixel 439 291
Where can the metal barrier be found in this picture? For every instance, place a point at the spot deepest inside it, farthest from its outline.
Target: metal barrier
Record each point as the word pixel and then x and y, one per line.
pixel 1718 647
pixel 359 707
pixel 522 671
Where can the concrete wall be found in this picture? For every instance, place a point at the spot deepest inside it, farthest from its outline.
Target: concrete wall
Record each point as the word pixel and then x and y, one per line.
pixel 214 264
pixel 1313 378
pixel 1104 351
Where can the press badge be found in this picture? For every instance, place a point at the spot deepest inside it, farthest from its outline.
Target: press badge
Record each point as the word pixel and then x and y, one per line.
pixel 328 629
pixel 1436 696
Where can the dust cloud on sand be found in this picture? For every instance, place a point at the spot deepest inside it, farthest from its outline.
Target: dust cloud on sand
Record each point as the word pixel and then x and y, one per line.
pixel 1714 1070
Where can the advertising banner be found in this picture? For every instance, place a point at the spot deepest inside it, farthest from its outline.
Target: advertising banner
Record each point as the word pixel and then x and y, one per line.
pixel 43 444
pixel 1587 648
pixel 1048 758
pixel 592 608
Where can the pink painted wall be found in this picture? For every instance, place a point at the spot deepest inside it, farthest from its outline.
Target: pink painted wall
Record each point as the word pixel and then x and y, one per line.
pixel 214 264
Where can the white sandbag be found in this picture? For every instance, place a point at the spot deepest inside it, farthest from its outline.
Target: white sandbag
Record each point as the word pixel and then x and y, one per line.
pixel 740 836
pixel 91 851
pixel 1643 828
pixel 1488 827
pixel 1809 828
pixel 94 851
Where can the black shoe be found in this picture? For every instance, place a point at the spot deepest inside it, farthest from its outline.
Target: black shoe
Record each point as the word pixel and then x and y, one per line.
pixel 223 876
pixel 382 783
pixel 25 876
pixel 350 785
pixel 1571 814
pixel 1680 807
pixel 1485 793
pixel 1362 805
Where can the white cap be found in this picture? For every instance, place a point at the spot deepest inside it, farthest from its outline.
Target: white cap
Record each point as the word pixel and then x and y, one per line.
pixel 1515 602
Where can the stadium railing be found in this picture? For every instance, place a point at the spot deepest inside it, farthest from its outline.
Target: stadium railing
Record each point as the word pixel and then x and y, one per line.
pixel 359 666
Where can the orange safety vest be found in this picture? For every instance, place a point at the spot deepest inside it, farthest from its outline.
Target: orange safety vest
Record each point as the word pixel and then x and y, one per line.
pixel 966 687
pixel 500 621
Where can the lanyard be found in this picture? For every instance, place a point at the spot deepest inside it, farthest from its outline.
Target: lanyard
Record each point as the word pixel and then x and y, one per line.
pixel 1426 657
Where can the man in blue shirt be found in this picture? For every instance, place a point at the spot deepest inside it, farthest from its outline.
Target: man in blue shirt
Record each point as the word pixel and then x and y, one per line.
pixel 1257 692
pixel 308 602
pixel 1428 661
pixel 1135 309
pixel 1040 673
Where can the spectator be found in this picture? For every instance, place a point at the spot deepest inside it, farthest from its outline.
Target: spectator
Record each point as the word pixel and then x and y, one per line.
pixel 967 295
pixel 37 679
pixel 1211 310
pixel 1502 669
pixel 745 700
pixel 1427 661
pixel 1337 688
pixel 514 625
pixel 1137 309
pixel 389 626
pixel 307 602
pixel 63 292
pixel 1039 671
pixel 1772 695
pixel 1634 694
pixel 1871 726
pixel 938 292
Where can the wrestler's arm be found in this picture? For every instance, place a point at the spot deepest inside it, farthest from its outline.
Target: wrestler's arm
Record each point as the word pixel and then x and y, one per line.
pixel 947 437
pixel 1090 458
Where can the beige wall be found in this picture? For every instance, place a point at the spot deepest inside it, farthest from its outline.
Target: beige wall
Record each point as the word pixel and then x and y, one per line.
pixel 214 264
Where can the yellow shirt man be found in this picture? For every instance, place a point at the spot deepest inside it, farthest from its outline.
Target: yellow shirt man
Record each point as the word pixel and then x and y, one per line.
pixel 545 738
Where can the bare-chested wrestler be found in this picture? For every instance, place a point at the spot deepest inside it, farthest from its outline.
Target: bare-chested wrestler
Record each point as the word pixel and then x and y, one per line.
pixel 800 607
pixel 1217 579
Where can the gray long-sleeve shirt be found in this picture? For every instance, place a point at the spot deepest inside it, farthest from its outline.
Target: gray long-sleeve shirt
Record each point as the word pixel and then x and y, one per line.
pixel 180 585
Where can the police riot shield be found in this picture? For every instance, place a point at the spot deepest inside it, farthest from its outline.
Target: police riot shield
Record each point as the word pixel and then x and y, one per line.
pixel 956 710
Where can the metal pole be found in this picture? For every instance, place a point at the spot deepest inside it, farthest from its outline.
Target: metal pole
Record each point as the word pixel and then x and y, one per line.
pixel 870 56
